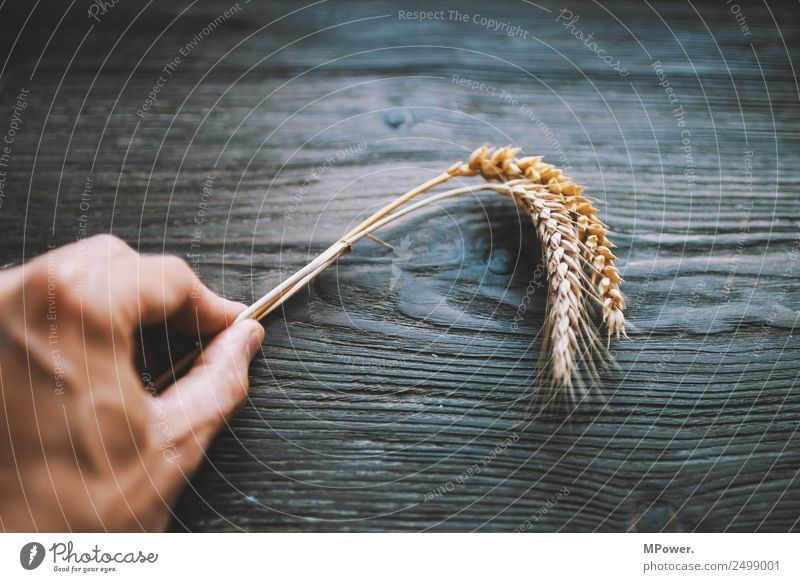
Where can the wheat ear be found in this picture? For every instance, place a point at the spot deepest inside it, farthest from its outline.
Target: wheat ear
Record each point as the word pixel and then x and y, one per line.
pixel 502 164
pixel 596 247
pixel 573 239
pixel 565 289
pixel 570 345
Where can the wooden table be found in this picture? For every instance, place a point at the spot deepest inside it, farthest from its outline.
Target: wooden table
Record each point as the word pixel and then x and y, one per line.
pixel 392 395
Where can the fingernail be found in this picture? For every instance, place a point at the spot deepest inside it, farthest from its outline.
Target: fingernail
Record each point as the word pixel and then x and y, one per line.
pixel 254 340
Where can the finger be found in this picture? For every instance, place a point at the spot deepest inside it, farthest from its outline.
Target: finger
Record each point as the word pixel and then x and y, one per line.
pixel 200 403
pixel 167 288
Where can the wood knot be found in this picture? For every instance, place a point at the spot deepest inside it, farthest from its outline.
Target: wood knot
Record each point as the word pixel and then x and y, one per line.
pixel 501 261
pixel 655 517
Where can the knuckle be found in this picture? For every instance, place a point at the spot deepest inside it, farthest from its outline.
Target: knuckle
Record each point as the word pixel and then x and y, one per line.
pixel 66 277
pixel 51 283
pixel 176 264
pixel 72 290
pixel 181 274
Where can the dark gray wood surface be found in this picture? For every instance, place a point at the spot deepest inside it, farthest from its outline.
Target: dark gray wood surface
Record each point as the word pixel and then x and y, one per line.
pixel 380 390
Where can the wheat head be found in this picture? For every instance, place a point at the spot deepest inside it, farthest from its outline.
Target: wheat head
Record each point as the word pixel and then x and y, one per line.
pixel 581 266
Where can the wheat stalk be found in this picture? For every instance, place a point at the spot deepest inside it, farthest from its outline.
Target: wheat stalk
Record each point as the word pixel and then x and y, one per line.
pixel 580 265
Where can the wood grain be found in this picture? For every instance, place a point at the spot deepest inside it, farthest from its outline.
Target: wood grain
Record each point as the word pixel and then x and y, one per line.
pixel 392 395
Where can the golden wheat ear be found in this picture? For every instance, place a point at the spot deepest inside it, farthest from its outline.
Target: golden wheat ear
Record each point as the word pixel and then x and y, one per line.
pixel 582 273
pixel 571 347
pixel 580 265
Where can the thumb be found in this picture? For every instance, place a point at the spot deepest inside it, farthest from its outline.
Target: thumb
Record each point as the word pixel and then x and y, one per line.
pixel 198 404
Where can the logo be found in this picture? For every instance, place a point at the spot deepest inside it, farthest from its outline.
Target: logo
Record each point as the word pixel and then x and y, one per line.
pixel 31 555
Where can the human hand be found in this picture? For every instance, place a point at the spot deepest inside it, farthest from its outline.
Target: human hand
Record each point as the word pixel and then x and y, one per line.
pixel 85 444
